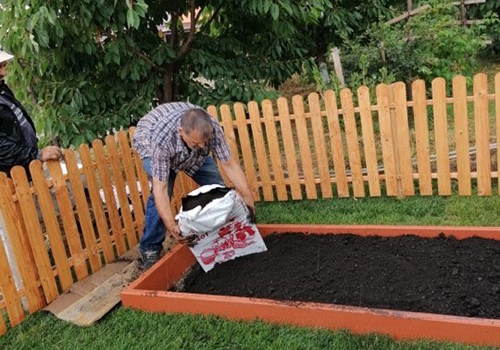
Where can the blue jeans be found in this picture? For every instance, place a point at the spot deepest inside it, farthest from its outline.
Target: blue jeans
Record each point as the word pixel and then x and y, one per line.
pixel 154 230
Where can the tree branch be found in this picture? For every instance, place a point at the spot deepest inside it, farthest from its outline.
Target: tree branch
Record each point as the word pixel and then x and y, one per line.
pixel 142 55
pixel 186 45
pixel 216 12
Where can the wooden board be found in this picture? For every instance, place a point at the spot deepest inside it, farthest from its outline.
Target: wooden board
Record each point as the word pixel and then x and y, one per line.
pixel 332 115
pixel 319 145
pixel 82 207
pixel 119 187
pixel 35 235
pixel 369 147
pixel 351 134
pixel 422 138
pixel 497 109
pixel 305 148
pixel 141 174
pixel 15 231
pixel 441 136
pixel 290 150
pixel 246 147
pixel 105 180
pixel 403 138
pixel 481 119
pixel 56 242
pixel 97 208
pixel 9 290
pixel 386 139
pixel 260 150
pixel 461 135
pixel 274 150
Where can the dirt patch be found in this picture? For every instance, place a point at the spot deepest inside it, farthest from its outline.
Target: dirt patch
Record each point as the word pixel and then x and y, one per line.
pixel 440 275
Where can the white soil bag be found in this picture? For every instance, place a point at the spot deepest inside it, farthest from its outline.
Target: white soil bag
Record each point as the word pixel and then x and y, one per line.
pixel 222 228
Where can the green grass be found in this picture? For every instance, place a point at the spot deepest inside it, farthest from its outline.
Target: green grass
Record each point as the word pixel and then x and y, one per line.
pixel 128 329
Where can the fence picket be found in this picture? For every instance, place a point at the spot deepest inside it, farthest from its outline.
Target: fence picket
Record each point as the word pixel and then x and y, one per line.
pixel 22 251
pixel 9 290
pixel 403 138
pixel 227 123
pixel 290 151
pixel 35 236
pixel 82 207
pixel 461 135
pixel 352 142
pixel 481 115
pixel 95 199
pixel 441 136
pixel 260 151
pixel 497 109
pixel 305 148
pixel 274 150
pixel 319 145
pixel 369 147
pixel 51 223
pixel 422 138
pixel 128 166
pixel 107 187
pixel 386 137
pixel 246 147
pixel 117 175
pixel 332 115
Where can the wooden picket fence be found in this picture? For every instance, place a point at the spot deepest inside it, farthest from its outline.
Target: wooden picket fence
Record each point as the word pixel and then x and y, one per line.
pixel 67 222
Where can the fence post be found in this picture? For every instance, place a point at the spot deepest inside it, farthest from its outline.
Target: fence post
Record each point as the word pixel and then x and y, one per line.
pixel 335 55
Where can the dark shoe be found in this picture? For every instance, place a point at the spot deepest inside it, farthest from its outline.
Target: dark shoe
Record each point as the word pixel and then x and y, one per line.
pixel 149 258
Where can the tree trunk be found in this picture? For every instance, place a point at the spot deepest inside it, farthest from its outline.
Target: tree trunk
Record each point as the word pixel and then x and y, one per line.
pixel 168 84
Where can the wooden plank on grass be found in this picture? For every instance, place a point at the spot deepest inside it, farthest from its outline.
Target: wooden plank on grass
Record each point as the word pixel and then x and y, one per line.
pixel 481 119
pixel 15 231
pixel 35 235
pixel 441 136
pixel 95 199
pixel 332 115
pixel 246 147
pixel 497 109
pixel 386 138
pixel 52 227
pixel 403 138
pixel 119 187
pixel 9 290
pixel 351 135
pixel 260 150
pixel 422 137
pixel 66 214
pixel 319 145
pixel 141 174
pixel 290 151
pixel 107 187
pixel 305 148
pixel 274 150
pixel 369 141
pixel 131 178
pixel 461 135
pixel 82 207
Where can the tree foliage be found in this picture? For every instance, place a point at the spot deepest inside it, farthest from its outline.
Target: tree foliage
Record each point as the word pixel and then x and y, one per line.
pixel 87 66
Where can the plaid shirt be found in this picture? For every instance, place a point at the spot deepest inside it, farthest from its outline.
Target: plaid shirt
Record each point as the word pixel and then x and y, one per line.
pixel 157 137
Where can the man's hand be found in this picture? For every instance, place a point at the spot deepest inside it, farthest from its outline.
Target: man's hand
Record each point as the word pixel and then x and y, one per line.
pixel 50 153
pixel 174 230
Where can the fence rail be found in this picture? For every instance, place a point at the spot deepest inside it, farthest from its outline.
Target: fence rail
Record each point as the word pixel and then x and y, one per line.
pixel 71 218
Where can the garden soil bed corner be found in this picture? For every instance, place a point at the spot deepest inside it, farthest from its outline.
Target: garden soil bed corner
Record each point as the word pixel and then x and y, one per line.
pixel 440 283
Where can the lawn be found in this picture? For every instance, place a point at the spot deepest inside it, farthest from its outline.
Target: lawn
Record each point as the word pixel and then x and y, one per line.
pixel 127 329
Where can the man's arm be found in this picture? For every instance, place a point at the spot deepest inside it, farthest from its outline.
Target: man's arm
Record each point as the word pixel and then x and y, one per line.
pixel 162 203
pixel 13 153
pixel 237 177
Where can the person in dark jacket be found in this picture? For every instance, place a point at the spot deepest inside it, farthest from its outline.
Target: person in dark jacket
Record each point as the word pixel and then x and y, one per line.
pixel 18 141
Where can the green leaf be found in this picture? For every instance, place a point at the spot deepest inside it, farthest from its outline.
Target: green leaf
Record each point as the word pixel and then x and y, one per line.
pixel 275 11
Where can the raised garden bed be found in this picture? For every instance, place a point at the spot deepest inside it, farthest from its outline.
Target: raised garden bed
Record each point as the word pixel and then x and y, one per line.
pixel 409 287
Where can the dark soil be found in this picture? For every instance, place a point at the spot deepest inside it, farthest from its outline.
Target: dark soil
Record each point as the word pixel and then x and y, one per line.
pixel 440 275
